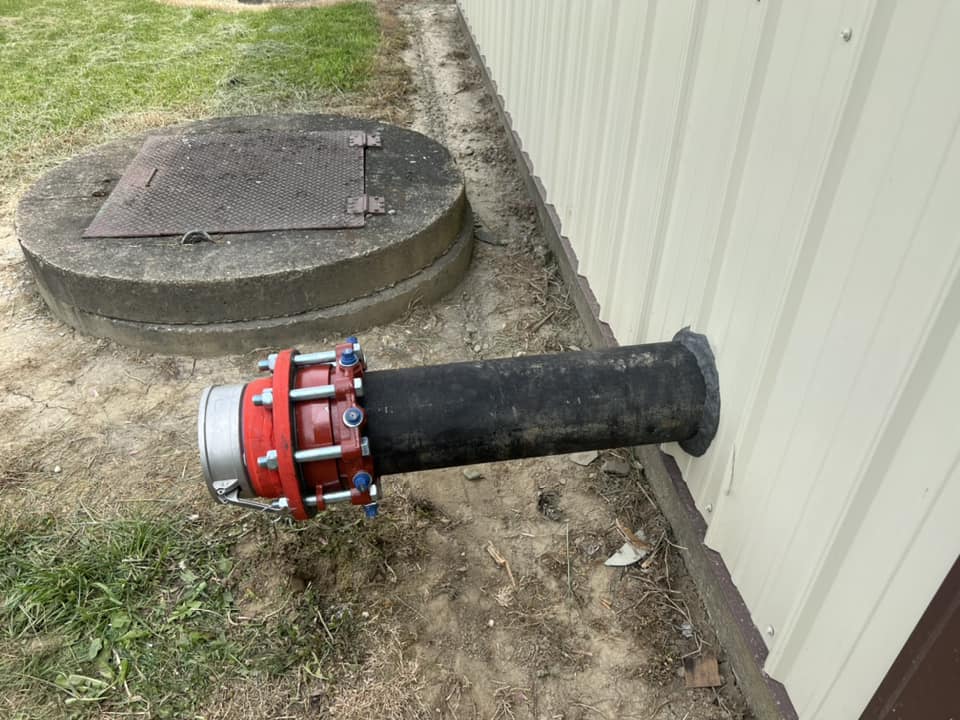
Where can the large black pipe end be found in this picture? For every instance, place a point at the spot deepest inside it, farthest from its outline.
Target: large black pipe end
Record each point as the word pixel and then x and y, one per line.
pixel 699 347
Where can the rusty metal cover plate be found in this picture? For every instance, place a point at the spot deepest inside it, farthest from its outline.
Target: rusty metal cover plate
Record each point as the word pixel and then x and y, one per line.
pixel 236 182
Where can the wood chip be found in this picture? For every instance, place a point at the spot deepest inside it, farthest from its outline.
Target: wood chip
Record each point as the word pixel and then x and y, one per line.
pixel 702 672
pixel 501 561
pixel 631 537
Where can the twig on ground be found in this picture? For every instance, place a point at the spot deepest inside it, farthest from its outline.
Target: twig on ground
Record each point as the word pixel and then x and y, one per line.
pixel 501 561
pixel 542 321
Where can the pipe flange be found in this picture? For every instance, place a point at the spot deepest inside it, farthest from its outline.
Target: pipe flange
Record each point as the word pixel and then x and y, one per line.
pixel 699 347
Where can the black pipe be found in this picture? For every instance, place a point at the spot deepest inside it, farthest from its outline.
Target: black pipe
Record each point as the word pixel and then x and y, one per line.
pixel 473 412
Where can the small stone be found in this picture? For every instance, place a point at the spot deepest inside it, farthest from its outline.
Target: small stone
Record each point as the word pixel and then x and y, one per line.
pixel 615 466
pixel 472 474
pixel 477 348
pixel 584 458
pixel 490 623
pixel 57 469
pixel 365 615
pixel 391 211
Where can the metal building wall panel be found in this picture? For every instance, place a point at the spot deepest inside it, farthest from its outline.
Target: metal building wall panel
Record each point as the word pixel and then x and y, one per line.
pixel 748 169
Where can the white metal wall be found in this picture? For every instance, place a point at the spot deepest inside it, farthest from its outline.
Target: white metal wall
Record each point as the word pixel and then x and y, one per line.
pixel 741 167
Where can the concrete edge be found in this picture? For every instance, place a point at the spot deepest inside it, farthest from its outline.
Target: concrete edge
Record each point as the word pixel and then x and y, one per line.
pixel 385 305
pixel 741 640
pixel 267 291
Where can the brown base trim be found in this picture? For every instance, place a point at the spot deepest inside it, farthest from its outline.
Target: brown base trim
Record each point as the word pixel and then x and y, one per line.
pixel 741 640
pixel 922 682
pixel 738 635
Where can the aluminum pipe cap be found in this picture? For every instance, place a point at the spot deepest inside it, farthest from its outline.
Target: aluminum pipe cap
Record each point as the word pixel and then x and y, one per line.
pixel 219 431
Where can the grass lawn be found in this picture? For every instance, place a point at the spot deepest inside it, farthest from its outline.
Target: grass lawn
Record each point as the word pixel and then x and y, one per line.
pixel 138 616
pixel 67 66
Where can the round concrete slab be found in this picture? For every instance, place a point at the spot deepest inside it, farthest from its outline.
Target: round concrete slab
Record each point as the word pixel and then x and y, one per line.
pixel 249 289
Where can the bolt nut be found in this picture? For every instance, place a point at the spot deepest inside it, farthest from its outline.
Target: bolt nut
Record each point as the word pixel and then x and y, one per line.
pixel 348 358
pixel 264 399
pixel 371 510
pixel 709 508
pixel 268 364
pixel 270 461
pixel 770 630
pixel 846 34
pixel 353 417
pixel 362 481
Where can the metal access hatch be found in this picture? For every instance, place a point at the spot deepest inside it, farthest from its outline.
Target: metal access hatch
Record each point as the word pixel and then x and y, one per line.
pixel 240 182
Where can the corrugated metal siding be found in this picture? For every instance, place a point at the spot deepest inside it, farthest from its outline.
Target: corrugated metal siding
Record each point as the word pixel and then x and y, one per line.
pixel 738 167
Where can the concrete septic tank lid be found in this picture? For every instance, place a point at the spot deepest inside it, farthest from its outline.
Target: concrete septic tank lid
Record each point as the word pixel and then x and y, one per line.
pixel 252 289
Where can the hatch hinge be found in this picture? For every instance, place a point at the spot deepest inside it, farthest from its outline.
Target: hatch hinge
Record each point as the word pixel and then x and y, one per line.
pixel 362 139
pixel 366 205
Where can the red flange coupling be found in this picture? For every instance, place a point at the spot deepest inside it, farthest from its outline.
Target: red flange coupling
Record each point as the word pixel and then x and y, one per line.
pixel 302 437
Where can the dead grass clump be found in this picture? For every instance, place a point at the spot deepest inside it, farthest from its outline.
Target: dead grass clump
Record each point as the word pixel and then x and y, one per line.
pixel 389 685
pixel 392 83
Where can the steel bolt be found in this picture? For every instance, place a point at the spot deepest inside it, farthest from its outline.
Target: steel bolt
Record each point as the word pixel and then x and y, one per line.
pixel 709 508
pixel 353 417
pixel 270 461
pixel 268 364
pixel 358 387
pixel 264 399
pixel 365 447
pixel 770 630
pixel 371 510
pixel 362 481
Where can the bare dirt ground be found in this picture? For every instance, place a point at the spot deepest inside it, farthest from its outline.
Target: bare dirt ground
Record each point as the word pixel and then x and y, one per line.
pixel 448 633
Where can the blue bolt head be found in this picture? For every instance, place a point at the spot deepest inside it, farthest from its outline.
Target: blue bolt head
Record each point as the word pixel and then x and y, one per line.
pixel 371 510
pixel 353 417
pixel 352 340
pixel 348 358
pixel 362 481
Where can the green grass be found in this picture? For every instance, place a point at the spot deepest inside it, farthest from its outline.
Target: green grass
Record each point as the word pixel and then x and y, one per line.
pixel 66 65
pixel 134 615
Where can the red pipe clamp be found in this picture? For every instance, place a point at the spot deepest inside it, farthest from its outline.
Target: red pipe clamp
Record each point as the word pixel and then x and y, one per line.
pixel 302 433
